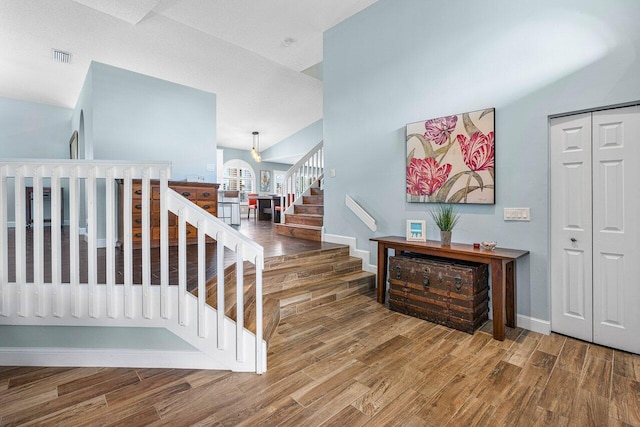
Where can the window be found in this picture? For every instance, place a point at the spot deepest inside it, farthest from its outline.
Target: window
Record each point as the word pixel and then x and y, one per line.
pixel 278 177
pixel 238 175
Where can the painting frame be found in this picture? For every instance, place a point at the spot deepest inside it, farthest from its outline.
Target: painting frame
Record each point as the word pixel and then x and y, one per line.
pixel 416 230
pixel 265 181
pixel 451 159
pixel 73 146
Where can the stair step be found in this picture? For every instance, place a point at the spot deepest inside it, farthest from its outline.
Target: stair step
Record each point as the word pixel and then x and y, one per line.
pixel 316 191
pixel 289 277
pixel 308 232
pixel 309 257
pixel 308 209
pixel 304 219
pixel 304 298
pixel 316 199
pixel 294 284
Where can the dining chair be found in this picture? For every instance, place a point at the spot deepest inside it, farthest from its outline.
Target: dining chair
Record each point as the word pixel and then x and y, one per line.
pixel 253 204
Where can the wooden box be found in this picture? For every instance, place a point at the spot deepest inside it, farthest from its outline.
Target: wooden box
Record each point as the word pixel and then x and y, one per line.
pixel 451 293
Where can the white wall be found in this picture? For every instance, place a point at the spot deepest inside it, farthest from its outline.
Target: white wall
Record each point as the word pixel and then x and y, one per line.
pixel 402 61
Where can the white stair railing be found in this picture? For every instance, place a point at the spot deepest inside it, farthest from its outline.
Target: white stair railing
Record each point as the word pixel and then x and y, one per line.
pixel 300 177
pixel 95 303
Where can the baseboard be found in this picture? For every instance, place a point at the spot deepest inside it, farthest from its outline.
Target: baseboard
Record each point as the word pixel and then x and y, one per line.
pixel 533 324
pixel 365 256
pixel 107 358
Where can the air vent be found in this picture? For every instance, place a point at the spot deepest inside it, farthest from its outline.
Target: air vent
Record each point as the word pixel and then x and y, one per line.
pixel 60 56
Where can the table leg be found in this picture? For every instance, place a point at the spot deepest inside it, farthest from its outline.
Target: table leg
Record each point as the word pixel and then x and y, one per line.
pixel 498 298
pixel 383 251
pixel 511 302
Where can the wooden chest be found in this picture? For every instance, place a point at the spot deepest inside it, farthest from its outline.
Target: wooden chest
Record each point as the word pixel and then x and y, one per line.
pixel 204 195
pixel 451 293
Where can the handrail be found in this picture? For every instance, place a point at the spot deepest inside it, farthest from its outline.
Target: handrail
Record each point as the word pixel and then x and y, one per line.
pixel 300 177
pixel 141 304
pixel 359 211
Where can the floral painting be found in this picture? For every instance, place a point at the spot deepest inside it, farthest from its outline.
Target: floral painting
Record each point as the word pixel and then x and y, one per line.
pixel 452 159
pixel 265 181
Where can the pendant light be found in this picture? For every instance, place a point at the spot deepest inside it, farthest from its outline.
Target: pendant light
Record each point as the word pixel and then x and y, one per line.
pixel 255 151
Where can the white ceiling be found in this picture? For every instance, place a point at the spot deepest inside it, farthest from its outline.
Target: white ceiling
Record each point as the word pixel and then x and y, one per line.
pixel 233 48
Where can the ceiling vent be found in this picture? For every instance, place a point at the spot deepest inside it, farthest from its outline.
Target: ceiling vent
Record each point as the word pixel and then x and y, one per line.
pixel 60 56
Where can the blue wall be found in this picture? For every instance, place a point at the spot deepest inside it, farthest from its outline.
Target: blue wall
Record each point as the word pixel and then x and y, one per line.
pixel 36 131
pixel 30 130
pixel 82 119
pixel 137 117
pixel 401 61
pixel 297 144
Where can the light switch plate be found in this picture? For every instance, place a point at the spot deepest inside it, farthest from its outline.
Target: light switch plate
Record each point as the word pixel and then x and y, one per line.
pixel 517 214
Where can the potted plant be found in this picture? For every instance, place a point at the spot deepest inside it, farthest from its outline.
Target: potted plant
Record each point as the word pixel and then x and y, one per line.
pixel 446 218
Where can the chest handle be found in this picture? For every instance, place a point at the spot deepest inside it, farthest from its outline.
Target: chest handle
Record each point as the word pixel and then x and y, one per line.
pixel 398 272
pixel 425 278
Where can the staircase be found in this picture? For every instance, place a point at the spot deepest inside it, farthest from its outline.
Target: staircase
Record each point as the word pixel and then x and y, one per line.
pixel 306 220
pixel 294 284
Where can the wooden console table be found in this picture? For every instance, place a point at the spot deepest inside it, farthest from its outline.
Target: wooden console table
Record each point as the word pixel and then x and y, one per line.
pixel 502 263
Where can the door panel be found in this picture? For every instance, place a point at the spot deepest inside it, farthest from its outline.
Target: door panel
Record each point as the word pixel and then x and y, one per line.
pixel 616 228
pixel 571 227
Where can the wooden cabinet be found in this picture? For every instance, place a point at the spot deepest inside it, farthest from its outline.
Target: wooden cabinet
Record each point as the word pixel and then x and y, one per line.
pixel 451 293
pixel 204 195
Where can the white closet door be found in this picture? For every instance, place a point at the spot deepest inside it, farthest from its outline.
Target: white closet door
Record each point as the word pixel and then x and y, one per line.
pixel 616 228
pixel 571 230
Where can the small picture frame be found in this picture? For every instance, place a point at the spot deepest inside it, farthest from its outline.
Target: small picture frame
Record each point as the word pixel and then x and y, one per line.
pixel 416 230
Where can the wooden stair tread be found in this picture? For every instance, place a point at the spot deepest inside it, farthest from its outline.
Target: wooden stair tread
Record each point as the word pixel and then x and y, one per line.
pixel 307 227
pixel 307 265
pixel 310 215
pixel 321 284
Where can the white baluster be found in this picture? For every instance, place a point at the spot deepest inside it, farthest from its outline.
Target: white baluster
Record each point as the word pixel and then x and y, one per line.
pixel 165 311
pixel 222 341
pixel 259 267
pixel 92 244
pixel 74 236
pixel 57 218
pixel 202 282
pixel 146 246
pixel 128 243
pixel 239 304
pixel 4 245
pixel 182 268
pixel 112 310
pixel 38 242
pixel 21 243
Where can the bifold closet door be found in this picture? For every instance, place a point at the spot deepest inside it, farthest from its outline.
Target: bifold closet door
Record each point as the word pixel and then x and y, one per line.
pixel 595 227
pixel 616 228
pixel 571 244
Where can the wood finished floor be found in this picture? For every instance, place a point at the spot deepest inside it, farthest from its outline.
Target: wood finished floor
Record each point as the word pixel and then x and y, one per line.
pixel 261 232
pixel 351 363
